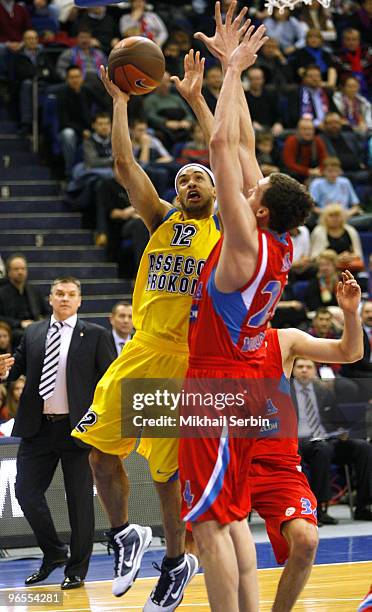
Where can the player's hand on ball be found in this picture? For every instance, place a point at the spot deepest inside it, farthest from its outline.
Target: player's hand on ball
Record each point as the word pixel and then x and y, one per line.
pixel 191 85
pixel 227 35
pixel 348 293
pixel 110 87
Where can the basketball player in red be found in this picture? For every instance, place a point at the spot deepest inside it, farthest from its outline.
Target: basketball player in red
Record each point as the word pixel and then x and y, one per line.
pixel 239 287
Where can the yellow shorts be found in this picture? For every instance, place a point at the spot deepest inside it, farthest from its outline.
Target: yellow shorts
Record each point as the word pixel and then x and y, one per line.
pixel 143 357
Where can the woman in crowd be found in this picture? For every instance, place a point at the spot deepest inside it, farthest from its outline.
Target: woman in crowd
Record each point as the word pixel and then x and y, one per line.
pixel 334 233
pixel 321 290
pixel 354 108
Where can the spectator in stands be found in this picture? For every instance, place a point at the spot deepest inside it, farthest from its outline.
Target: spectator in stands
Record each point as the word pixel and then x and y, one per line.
pixel 274 65
pixel 20 303
pixel 122 325
pixel 361 20
pixel 173 58
pixel 195 150
pixel 84 55
pixel 74 102
pixel 311 99
pixel 354 109
pixel 334 233
pixel 29 63
pixel 304 152
pixel 267 154
pixel 316 16
pixel 103 27
pixel 4 414
pixel 323 325
pixel 44 17
pixel 353 59
pixel 152 156
pixel 15 389
pixel 263 103
pixel 289 311
pixel 88 59
pixel 125 250
pixel 302 266
pixel 321 291
pixel 53 402
pixel 347 146
pixel 68 12
pixel 320 445
pixel 314 54
pixel 361 371
pixel 286 29
pixel 14 21
pixel 332 187
pixel 5 338
pixel 168 113
pixel 212 86
pixel 140 22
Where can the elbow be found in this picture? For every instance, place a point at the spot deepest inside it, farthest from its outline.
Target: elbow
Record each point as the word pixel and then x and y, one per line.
pixel 122 166
pixel 353 356
pixel 221 140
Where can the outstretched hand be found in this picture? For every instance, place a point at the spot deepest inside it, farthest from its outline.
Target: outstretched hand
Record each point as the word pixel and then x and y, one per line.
pixel 112 89
pixel 227 35
pixel 348 293
pixel 191 85
pixel 246 53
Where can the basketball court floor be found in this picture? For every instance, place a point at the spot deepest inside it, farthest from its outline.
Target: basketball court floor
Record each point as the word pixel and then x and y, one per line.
pixel 340 579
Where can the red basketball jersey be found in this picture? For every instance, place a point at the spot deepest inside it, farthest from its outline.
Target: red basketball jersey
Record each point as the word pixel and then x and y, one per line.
pixel 231 326
pixel 280 409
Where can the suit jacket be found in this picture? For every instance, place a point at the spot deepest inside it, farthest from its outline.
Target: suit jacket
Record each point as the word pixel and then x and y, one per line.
pixel 90 354
pixel 38 305
pixel 363 367
pixel 292 113
pixel 330 416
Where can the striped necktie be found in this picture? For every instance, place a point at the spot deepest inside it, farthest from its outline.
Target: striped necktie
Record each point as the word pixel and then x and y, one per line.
pixel 51 359
pixel 312 414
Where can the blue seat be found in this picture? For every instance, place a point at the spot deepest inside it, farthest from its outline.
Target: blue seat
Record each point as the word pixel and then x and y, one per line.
pixel 366 240
pixel 299 289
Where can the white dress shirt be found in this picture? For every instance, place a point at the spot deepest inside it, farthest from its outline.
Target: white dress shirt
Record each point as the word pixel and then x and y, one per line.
pixel 119 341
pixel 58 403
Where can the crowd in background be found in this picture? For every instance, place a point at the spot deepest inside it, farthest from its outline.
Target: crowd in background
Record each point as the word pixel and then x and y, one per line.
pixel 309 96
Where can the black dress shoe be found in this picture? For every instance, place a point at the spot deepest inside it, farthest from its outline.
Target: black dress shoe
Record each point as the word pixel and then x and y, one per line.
pixel 45 569
pixel 72 582
pixel 325 519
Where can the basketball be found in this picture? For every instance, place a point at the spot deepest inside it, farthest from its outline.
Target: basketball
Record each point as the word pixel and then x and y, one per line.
pixel 136 65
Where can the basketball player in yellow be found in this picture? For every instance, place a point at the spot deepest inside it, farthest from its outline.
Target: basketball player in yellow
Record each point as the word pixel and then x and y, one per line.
pixel 180 241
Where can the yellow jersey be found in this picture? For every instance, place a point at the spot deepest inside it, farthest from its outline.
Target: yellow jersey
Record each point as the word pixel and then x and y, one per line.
pixel 168 273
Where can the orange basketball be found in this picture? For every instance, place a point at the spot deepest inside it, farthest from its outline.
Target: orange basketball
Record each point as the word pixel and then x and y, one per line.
pixel 136 65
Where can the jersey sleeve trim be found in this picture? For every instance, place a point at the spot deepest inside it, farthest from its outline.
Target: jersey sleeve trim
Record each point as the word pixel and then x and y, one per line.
pixel 217 222
pixel 261 238
pixel 169 214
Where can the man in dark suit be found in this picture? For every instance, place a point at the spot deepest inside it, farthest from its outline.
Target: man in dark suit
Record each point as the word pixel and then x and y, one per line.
pixel 318 416
pixel 361 371
pixel 20 303
pixel 122 325
pixel 63 358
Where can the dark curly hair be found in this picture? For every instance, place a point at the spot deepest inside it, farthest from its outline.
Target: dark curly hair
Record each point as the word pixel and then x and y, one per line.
pixel 288 201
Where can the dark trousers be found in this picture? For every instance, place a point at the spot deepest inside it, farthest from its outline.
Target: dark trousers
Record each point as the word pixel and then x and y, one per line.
pixel 37 461
pixel 320 454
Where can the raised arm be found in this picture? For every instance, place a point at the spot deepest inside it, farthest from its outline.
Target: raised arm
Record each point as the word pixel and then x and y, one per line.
pixel 128 172
pixel 238 219
pixel 190 88
pixel 348 348
pixel 222 44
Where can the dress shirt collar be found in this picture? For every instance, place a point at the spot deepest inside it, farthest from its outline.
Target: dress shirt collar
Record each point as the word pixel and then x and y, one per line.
pixel 300 387
pixel 71 321
pixel 118 339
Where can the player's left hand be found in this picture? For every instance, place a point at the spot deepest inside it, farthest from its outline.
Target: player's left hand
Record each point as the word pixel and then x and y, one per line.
pixel 191 85
pixel 348 293
pixel 246 54
pixel 227 35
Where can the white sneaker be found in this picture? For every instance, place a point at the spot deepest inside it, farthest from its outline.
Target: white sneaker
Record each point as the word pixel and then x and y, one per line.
pixel 129 547
pixel 168 592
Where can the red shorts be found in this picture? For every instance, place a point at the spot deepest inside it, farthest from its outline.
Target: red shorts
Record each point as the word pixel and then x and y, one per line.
pixel 280 492
pixel 214 471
